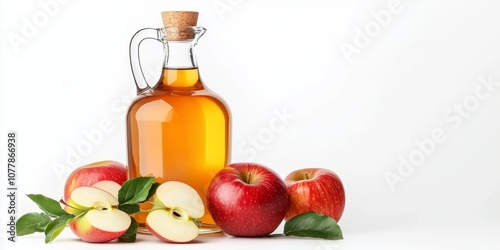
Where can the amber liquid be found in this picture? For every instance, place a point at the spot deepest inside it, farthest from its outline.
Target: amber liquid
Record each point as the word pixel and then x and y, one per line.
pixel 179 132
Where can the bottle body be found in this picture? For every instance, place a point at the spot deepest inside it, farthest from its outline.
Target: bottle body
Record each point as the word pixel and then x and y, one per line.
pixel 178 131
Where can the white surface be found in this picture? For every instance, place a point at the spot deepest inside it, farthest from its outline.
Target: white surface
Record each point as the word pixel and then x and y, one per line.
pixel 483 237
pixel 356 117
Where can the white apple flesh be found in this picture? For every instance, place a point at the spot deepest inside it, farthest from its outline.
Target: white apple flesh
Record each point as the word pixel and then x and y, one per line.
pixel 101 221
pixel 101 225
pixel 173 194
pixel 84 198
pixel 108 186
pixel 175 216
pixel 171 226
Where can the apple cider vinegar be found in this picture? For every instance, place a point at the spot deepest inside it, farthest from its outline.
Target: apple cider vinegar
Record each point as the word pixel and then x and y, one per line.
pixel 177 130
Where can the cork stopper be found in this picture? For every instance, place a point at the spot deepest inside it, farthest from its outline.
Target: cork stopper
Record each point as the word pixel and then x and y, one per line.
pixel 178 24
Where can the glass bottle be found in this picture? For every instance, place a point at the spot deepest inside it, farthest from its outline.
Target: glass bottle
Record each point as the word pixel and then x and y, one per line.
pixel 177 129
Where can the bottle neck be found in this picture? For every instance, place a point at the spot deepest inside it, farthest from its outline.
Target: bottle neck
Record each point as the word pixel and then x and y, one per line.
pixel 180 54
pixel 180 70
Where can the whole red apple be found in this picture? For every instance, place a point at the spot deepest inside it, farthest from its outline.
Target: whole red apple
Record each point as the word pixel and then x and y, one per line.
pixel 90 174
pixel 247 199
pixel 315 189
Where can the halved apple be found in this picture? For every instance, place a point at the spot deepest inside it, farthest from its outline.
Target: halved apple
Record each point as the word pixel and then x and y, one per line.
pixel 99 220
pixel 176 212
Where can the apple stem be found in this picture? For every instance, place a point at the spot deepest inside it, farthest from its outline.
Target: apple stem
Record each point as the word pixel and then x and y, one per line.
pixel 248 177
pixel 150 202
pixel 307 176
pixel 151 210
pixel 156 206
pixel 66 204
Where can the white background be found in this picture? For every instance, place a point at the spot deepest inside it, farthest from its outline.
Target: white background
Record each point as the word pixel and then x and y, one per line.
pixel 356 114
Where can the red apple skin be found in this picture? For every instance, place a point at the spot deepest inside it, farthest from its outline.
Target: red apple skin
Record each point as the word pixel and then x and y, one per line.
pixel 153 232
pixel 315 189
pixel 88 175
pixel 92 234
pixel 247 209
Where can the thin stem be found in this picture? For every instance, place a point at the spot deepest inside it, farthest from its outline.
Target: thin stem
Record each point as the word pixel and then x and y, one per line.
pixel 155 207
pixel 66 204
pixel 149 202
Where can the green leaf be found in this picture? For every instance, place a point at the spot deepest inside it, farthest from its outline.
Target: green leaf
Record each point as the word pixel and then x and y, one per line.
pixel 50 206
pixel 31 223
pixel 55 227
pixel 152 190
pixel 129 208
pixel 135 190
pixel 131 233
pixel 315 225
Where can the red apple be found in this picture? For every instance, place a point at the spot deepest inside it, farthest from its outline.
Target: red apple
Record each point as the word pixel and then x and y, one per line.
pixel 90 174
pixel 247 199
pixel 315 189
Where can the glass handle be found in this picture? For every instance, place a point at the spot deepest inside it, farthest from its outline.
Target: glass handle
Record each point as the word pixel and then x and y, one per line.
pixel 135 61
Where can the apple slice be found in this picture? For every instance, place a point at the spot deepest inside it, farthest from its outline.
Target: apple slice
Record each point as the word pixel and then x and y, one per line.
pixel 176 213
pixel 84 198
pixel 99 220
pixel 173 194
pixel 108 186
pixel 101 225
pixel 171 226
